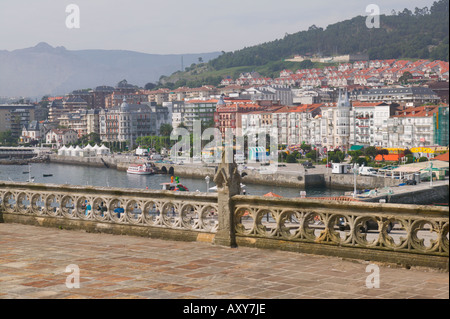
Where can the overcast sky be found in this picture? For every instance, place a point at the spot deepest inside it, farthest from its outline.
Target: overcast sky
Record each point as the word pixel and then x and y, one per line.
pixel 174 26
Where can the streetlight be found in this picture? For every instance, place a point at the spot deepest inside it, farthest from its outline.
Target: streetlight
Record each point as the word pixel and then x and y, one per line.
pixel 207 183
pixel 355 172
pixel 431 174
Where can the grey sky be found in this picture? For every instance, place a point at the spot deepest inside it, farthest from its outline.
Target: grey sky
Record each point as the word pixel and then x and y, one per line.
pixel 173 26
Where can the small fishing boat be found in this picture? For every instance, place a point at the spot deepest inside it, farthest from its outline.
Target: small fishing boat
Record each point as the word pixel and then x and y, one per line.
pixel 47 175
pixel 140 169
pixel 174 185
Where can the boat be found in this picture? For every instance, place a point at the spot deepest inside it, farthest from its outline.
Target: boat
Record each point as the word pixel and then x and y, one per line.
pixel 174 185
pixel 47 175
pixel 140 169
pixel 214 188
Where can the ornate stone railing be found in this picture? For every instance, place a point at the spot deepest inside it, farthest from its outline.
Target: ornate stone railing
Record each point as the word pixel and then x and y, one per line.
pixel 164 209
pixel 398 233
pixel 388 227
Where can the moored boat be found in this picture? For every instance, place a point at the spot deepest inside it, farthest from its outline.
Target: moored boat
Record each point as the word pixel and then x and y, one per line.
pixel 140 169
pixel 174 185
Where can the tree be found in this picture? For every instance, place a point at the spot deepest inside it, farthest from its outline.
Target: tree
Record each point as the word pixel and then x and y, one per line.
pixel 291 158
pixel 150 86
pixel 312 155
pixel 405 77
pixel 6 138
pixel 91 138
pixel 370 151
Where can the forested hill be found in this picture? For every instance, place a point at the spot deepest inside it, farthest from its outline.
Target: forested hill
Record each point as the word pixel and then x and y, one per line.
pixel 421 33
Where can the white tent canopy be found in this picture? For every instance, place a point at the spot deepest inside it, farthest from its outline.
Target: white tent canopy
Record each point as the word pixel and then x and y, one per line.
pixel 88 151
pixel 77 151
pixel 62 151
pixel 103 150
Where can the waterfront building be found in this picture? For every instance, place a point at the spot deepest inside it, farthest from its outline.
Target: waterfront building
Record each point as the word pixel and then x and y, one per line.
pixel 14 116
pixel 202 110
pixel 412 127
pixel 60 137
pixel 335 123
pixel 368 123
pixel 229 114
pixel 33 131
pixel 440 125
pixel 126 123
pixel 308 130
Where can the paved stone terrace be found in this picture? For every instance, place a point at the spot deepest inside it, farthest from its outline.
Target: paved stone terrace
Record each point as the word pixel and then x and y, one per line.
pixel 33 262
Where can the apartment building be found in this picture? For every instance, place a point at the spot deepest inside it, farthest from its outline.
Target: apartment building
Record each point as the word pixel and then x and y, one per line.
pixel 126 123
pixel 335 124
pixel 60 137
pixel 14 116
pixel 412 127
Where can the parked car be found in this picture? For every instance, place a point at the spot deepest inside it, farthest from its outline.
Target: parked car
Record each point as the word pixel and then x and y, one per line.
pixel 308 165
pixel 369 171
pixel 369 225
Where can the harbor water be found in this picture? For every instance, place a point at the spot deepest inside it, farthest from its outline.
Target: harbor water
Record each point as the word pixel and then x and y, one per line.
pixel 104 177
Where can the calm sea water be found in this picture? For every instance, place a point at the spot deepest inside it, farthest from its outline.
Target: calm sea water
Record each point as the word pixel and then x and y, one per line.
pixel 84 175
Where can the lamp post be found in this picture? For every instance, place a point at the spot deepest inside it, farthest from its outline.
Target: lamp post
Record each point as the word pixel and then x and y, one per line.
pixel 207 183
pixel 355 172
pixel 431 174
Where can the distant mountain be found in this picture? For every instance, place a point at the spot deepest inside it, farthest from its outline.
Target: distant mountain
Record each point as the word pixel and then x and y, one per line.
pixel 43 69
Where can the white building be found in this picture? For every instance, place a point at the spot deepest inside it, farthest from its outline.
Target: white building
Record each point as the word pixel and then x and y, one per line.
pixel 335 124
pixel 60 137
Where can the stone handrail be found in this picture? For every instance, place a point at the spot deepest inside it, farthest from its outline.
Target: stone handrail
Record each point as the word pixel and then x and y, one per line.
pixel 399 233
pixel 166 209
pixel 345 224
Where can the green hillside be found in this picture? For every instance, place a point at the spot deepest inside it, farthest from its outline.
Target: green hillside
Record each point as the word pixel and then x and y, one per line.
pixel 422 33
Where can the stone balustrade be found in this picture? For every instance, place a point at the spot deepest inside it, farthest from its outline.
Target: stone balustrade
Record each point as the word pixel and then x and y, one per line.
pixel 395 233
pixel 389 227
pixel 165 209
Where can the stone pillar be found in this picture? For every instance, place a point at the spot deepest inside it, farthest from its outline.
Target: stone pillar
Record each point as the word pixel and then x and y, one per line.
pixel 228 181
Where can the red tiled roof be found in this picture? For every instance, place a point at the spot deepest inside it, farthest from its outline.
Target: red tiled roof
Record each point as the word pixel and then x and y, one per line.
pixel 388 158
pixel 442 157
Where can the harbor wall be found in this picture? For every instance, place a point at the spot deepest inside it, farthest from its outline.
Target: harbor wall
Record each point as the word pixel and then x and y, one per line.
pixel 250 176
pixel 346 181
pixel 423 196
